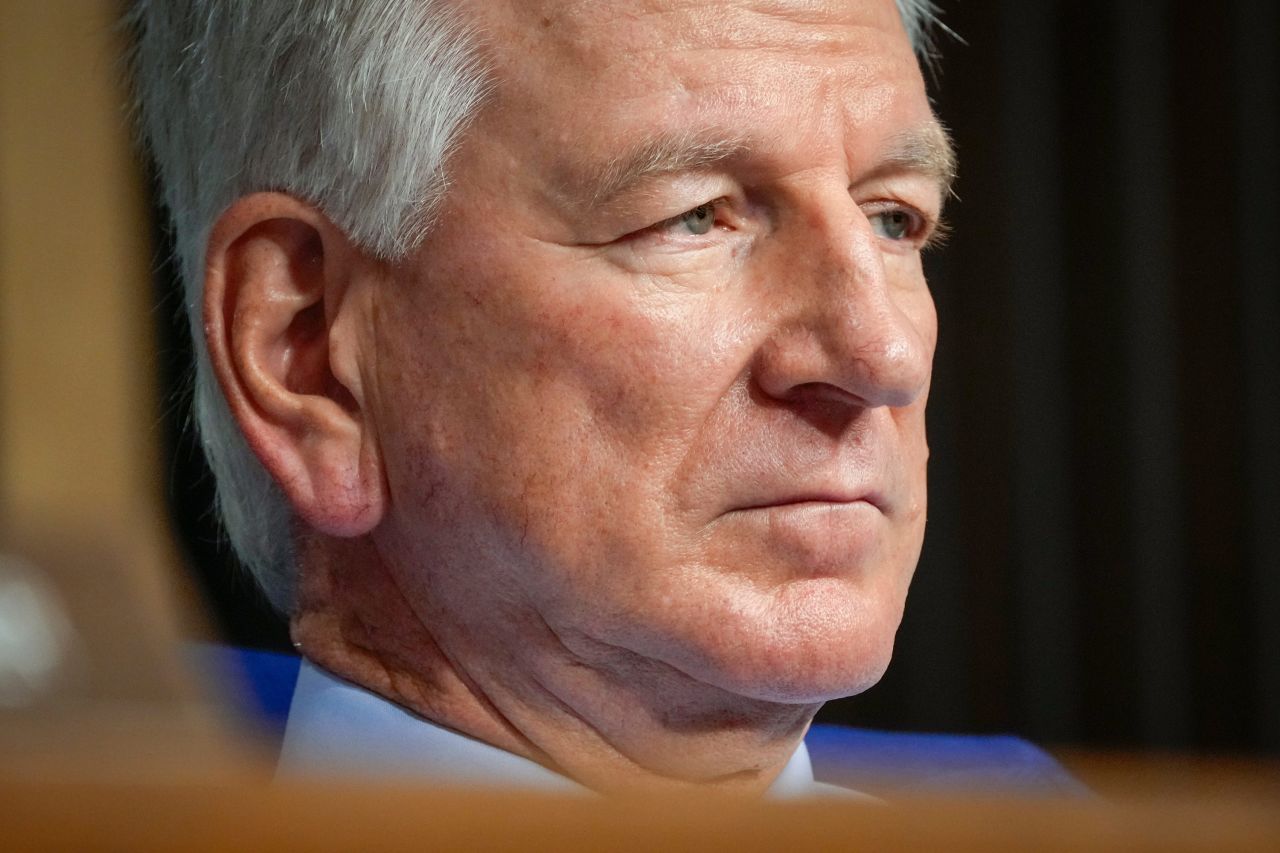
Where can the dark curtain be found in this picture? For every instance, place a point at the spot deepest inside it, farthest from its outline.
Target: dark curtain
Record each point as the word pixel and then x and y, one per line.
pixel 1103 559
pixel 1102 566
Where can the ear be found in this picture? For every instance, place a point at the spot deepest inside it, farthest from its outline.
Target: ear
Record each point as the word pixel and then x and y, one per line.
pixel 283 300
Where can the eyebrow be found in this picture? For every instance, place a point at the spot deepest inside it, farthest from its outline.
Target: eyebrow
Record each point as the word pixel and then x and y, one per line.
pixel 926 149
pixel 664 154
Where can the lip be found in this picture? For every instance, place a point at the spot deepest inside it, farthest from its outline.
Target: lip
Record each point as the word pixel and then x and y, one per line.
pixel 816 498
pixel 810 533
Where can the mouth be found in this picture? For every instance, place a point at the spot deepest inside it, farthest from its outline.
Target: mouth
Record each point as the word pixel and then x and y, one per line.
pixel 813 533
pixel 817 499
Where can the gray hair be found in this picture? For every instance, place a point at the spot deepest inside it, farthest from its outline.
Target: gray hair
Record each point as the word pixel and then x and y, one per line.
pixel 352 105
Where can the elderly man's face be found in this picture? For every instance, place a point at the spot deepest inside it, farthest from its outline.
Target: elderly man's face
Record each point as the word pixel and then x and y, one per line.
pixel 652 392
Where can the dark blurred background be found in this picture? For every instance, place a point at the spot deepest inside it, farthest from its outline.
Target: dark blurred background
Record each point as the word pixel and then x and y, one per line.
pixel 1102 566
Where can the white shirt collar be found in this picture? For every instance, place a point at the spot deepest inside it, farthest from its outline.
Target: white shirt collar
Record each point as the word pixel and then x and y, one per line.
pixel 337 728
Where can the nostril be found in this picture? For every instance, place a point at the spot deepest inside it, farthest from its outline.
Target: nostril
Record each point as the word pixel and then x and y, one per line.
pixel 827 407
pixel 825 395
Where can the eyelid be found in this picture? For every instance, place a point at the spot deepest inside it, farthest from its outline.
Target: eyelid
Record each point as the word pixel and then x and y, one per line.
pixel 717 206
pixel 929 231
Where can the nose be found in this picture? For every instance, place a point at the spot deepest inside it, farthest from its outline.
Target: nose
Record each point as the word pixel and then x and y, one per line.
pixel 855 322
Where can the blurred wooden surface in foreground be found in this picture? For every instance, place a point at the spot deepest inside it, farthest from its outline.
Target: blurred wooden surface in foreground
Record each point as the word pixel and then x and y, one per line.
pixel 174 783
pixel 224 813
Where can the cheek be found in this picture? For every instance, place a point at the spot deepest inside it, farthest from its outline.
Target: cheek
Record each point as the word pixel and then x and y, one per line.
pixel 561 411
pixel 629 380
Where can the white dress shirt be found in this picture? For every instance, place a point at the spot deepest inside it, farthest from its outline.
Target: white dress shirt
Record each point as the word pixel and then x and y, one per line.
pixel 337 728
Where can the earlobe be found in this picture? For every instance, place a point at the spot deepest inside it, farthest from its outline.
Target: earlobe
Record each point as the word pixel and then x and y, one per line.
pixel 283 287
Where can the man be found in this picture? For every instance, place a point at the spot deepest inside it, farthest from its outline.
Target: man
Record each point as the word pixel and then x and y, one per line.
pixel 563 364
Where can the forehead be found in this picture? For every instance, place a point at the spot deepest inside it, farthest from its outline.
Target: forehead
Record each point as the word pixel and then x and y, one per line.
pixel 623 46
pixel 578 84
pixel 594 30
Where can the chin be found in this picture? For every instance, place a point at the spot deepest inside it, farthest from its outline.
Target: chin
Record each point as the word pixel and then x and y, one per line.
pixel 799 658
pixel 819 679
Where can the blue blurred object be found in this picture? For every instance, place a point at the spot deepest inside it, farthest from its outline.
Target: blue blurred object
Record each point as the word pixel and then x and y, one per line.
pixel 875 762
pixel 878 762
pixel 259 684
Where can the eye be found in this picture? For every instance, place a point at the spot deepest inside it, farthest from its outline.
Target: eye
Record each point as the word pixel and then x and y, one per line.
pixel 698 221
pixel 895 224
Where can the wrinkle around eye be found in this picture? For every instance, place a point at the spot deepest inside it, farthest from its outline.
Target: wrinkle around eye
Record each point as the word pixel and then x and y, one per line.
pixel 679 283
pixel 718 246
pixel 721 257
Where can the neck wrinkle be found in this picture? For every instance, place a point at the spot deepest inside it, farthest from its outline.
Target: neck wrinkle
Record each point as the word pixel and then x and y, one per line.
pixel 615 721
pixel 353 620
pixel 612 726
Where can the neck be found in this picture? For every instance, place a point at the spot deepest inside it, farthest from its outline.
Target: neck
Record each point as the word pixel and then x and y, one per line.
pixel 601 715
